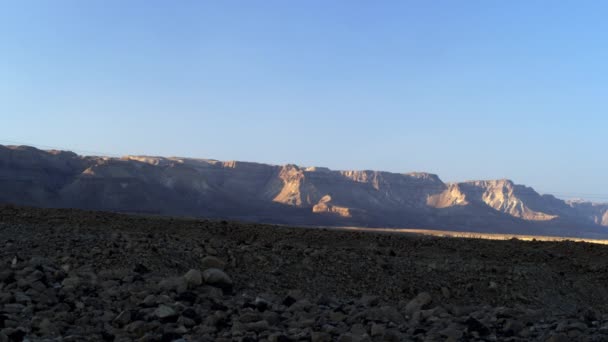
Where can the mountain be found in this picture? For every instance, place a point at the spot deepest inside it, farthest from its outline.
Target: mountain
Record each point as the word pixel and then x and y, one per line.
pixel 287 194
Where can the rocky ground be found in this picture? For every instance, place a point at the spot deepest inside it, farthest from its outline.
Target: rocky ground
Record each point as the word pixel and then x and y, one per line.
pixel 68 275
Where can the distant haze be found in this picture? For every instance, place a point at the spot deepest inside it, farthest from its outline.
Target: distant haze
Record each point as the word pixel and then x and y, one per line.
pixel 467 90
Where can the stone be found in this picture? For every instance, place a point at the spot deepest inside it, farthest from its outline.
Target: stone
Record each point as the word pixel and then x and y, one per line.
pixel 212 262
pixel 71 282
pixel 7 276
pixel 46 327
pixel 301 305
pixel 358 329
pixel 39 261
pixel 177 284
pixel 141 269
pixel 370 300
pixel 577 326
pixel 149 301
pixel 337 316
pixel 319 336
pixel 476 326
pixel 22 298
pixel 280 337
pixel 249 317
pixel 258 326
pixel 289 301
pixel 419 302
pixel 164 311
pixel 386 314
pixel 558 338
pixel 392 335
pixel 216 277
pixel 138 328
pixel 13 308
pixel 261 304
pixel 123 318
pixel 15 334
pixel 349 337
pixel 513 327
pixel 377 330
pixel 453 331
pixel 193 278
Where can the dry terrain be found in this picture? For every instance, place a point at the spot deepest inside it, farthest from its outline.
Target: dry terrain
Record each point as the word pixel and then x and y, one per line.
pixel 469 235
pixel 70 275
pixel 288 194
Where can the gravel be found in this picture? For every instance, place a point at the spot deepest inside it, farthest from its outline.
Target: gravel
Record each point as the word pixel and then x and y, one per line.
pixel 69 275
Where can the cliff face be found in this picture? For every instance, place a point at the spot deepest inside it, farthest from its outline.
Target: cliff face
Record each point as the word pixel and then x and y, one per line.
pixel 596 212
pixel 500 195
pixel 286 194
pixel 34 177
pixel 361 191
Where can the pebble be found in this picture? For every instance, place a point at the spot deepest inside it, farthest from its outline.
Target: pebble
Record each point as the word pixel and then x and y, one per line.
pixel 217 278
pixel 71 282
pixel 421 300
pixel 164 311
pixel 123 318
pixel 193 278
pixel 212 262
pixel 116 300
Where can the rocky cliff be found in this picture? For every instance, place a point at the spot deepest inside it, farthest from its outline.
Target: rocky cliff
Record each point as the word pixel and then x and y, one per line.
pixel 287 194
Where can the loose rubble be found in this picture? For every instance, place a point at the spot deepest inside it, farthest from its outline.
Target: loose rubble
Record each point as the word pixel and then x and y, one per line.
pixel 55 285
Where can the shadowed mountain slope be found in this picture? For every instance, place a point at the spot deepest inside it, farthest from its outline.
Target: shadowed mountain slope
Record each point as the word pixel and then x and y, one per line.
pixel 287 194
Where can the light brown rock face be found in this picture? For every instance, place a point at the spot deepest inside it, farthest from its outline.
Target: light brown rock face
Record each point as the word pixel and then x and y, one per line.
pixel 325 206
pixel 285 194
pixel 293 188
pixel 452 196
pixel 342 192
pixel 501 195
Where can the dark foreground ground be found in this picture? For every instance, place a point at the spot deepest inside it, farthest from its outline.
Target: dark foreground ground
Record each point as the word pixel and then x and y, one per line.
pixel 71 275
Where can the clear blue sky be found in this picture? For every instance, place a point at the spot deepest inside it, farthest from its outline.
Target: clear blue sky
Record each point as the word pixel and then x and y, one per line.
pixel 464 89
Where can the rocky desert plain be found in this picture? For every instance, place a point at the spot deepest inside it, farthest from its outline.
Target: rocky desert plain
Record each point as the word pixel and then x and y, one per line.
pixel 72 275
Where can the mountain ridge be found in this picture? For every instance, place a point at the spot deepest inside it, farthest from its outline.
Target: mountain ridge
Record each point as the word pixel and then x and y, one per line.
pixel 289 194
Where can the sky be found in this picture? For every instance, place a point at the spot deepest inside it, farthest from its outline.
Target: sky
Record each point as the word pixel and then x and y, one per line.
pixel 463 89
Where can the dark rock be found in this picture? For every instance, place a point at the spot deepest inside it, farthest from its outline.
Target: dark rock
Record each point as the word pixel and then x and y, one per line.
pixel 513 327
pixel 216 277
pixel 475 325
pixel 289 301
pixel 212 262
pixel 191 313
pixel 421 300
pixel 187 296
pixel 16 335
pixel 141 269
pixel 165 312
pixel 107 336
pixel 123 318
pixel 170 337
pixel 193 278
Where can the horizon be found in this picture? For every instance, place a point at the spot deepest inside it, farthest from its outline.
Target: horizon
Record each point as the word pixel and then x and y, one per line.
pixel 471 90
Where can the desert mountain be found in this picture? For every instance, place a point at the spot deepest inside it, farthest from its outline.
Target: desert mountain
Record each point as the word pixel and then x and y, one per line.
pixel 287 194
